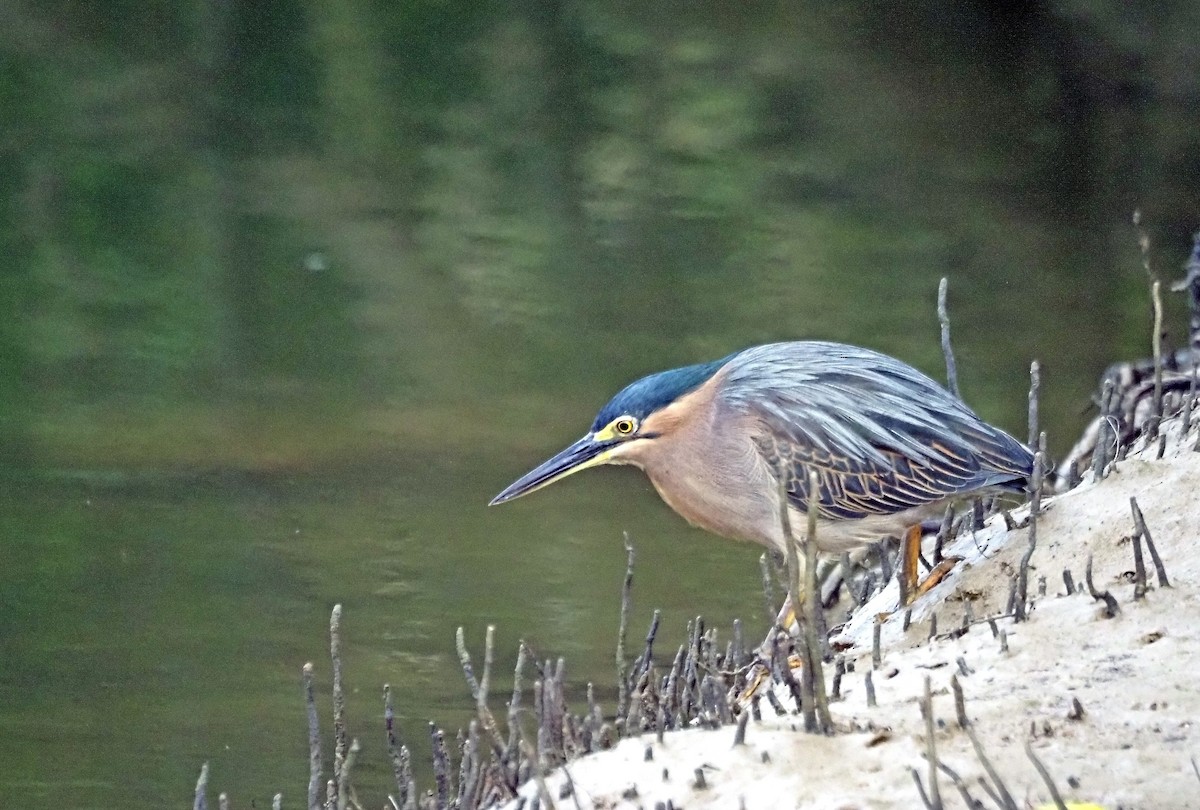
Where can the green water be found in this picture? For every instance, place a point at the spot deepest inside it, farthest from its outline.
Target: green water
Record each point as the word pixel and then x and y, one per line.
pixel 291 290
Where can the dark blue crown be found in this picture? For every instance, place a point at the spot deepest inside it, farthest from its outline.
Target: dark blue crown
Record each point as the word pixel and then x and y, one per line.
pixel 649 394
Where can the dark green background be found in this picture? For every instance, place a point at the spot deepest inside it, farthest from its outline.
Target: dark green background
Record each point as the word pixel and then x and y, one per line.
pixel 291 289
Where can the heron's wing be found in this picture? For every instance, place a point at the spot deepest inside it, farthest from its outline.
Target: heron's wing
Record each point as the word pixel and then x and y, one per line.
pixel 881 437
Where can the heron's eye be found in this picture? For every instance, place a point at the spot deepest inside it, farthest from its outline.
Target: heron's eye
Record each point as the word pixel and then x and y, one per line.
pixel 625 426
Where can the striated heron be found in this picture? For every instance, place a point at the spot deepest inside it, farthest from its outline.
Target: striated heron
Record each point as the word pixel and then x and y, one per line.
pixel 890 447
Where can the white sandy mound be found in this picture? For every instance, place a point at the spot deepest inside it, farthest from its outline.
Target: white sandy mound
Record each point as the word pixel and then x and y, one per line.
pixel 1134 675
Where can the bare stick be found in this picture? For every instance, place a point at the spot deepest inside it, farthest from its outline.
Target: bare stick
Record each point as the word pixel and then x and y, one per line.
pixel 960 704
pixel 935 793
pixel 343 791
pixel 401 760
pixel 739 737
pixel 1188 403
pixel 1035 383
pixel 535 768
pixel 464 658
pixel 201 800
pixel 944 320
pixel 1035 491
pixel 514 708
pixel 626 599
pixel 339 695
pixel 921 789
pixel 1107 433
pixel 768 587
pixel 1140 524
pixel 489 641
pixel 970 801
pixel 314 741
pixel 1045 774
pixel 441 767
pixel 1157 403
pixel 1001 792
pixel 651 634
pixel 812 607
pixel 1111 608
pixel 1139 568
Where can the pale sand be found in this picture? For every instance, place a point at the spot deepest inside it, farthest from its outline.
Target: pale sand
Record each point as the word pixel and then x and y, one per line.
pixel 1135 676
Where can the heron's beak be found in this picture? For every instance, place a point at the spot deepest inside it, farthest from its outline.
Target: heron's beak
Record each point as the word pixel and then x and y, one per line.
pixel 587 452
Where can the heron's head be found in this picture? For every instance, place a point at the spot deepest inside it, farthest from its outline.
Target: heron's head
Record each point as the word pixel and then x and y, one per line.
pixel 624 431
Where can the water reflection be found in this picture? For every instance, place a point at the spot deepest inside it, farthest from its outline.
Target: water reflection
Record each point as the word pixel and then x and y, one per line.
pixel 293 289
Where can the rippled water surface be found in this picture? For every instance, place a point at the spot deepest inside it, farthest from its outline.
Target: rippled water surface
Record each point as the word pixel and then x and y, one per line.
pixel 291 290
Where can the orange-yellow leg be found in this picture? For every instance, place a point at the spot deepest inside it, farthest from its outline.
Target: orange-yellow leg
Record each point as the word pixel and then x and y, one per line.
pixel 910 555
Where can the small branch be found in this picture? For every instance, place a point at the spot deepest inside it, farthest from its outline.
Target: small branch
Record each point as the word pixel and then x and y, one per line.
pixel 1156 414
pixel 626 599
pixel 960 705
pixel 1035 491
pixel 1139 522
pixel 768 587
pixel 1107 433
pixel 200 802
pixel 739 737
pixel 343 790
pixel 314 741
pixel 401 760
pixel 1111 608
pixel 1035 383
pixel 944 321
pixel 339 695
pixel 935 793
pixel 970 801
pixel 997 790
pixel 441 767
pixel 1045 774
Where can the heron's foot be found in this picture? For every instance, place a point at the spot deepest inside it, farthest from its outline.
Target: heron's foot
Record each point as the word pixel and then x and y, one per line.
pixel 758 679
pixel 938 573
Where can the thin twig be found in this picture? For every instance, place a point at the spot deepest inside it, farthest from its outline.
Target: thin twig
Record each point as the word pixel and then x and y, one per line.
pixel 768 587
pixel 339 694
pixel 970 801
pixel 1111 608
pixel 1140 523
pixel 1156 414
pixel 343 790
pixel 1045 774
pixel 626 599
pixel 441 767
pixel 1035 382
pixel 200 802
pixel 1003 797
pixel 401 760
pixel 935 793
pixel 1106 434
pixel 1035 492
pixel 314 741
pixel 944 321
pixel 960 704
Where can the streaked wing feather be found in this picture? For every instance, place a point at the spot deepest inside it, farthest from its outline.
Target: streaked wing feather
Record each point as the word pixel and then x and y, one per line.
pixel 881 436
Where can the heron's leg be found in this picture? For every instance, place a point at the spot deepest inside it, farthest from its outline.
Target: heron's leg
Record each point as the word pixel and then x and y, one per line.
pixel 910 554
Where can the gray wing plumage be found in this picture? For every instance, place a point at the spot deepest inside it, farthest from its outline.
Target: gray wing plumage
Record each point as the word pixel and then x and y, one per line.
pixel 881 436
